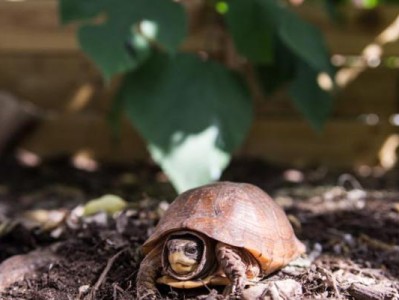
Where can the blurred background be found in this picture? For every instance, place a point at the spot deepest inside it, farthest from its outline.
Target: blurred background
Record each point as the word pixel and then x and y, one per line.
pixel 62 96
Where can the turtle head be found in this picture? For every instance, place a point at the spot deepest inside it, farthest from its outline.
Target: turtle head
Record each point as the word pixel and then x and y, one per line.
pixel 184 253
pixel 188 255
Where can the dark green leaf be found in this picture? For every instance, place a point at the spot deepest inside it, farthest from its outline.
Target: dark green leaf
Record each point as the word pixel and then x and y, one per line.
pixel 73 10
pixel 108 45
pixel 391 1
pixel 167 18
pixel 273 76
pixel 170 19
pixel 123 41
pixel 193 114
pixel 298 49
pixel 252 29
pixel 304 40
pixel 314 103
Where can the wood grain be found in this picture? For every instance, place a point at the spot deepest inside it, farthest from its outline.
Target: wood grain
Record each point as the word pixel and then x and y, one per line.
pixel 41 63
pixel 344 143
pixel 33 25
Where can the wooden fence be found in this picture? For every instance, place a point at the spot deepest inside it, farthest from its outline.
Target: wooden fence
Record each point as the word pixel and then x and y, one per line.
pixel 40 62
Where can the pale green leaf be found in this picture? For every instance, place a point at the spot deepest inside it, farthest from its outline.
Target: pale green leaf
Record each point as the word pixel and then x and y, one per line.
pixel 195 161
pixel 107 203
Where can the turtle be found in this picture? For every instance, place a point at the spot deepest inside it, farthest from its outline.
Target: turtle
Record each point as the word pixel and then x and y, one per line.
pixel 223 233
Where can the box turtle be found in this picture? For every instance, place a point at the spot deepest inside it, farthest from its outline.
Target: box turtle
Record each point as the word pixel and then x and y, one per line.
pixel 219 234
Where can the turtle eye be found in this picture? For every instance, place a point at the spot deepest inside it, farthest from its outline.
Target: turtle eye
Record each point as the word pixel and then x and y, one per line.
pixel 191 250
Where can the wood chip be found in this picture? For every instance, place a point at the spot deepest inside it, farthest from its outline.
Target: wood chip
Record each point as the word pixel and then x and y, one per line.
pixel 374 292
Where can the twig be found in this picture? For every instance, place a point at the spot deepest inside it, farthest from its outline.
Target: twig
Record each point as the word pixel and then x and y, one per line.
pixel 104 274
pixel 376 244
pixel 331 280
pixel 117 288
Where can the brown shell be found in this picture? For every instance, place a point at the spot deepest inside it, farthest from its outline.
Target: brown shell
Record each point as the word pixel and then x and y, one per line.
pixel 238 214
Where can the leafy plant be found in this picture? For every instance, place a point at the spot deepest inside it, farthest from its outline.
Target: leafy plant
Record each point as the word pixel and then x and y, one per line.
pixel 195 110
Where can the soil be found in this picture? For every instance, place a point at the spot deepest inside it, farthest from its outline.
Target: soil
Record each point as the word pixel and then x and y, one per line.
pixel 348 221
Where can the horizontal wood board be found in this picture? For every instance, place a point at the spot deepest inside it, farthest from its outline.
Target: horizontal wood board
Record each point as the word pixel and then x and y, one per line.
pixel 41 63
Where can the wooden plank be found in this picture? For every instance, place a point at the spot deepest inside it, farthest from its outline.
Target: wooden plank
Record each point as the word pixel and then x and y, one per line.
pixel 343 143
pixel 359 29
pixel 281 141
pixel 68 134
pixel 40 62
pixel 33 25
pixel 373 92
pixel 52 81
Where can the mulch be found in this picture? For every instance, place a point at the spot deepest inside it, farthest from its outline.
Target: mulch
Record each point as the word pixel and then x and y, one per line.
pixel 349 223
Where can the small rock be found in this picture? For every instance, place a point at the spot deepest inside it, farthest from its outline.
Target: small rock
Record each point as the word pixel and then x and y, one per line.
pixel 18 267
pixel 83 290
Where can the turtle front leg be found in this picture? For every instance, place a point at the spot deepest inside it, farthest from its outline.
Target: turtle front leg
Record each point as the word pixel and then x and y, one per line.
pixel 146 277
pixel 234 267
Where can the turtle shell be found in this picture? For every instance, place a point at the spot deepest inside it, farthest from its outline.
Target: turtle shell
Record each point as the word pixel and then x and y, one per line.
pixel 238 214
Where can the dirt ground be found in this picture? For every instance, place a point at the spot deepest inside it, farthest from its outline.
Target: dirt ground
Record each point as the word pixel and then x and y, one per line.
pixel 348 221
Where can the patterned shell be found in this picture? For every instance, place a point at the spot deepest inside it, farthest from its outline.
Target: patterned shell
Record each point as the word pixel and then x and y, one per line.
pixel 238 214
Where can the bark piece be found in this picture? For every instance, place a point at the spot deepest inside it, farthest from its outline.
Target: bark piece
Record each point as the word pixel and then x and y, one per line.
pixel 373 292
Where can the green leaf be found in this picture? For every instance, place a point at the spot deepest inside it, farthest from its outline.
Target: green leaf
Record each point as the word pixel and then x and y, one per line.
pixel 370 4
pixel 107 203
pixel 122 43
pixel 314 103
pixel 304 40
pixel 170 19
pixel 192 113
pixel 273 76
pixel 195 161
pixel 252 29
pixel 309 98
pixel 73 10
pixel 167 18
pixel 107 45
pixel 222 7
pixel 300 56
